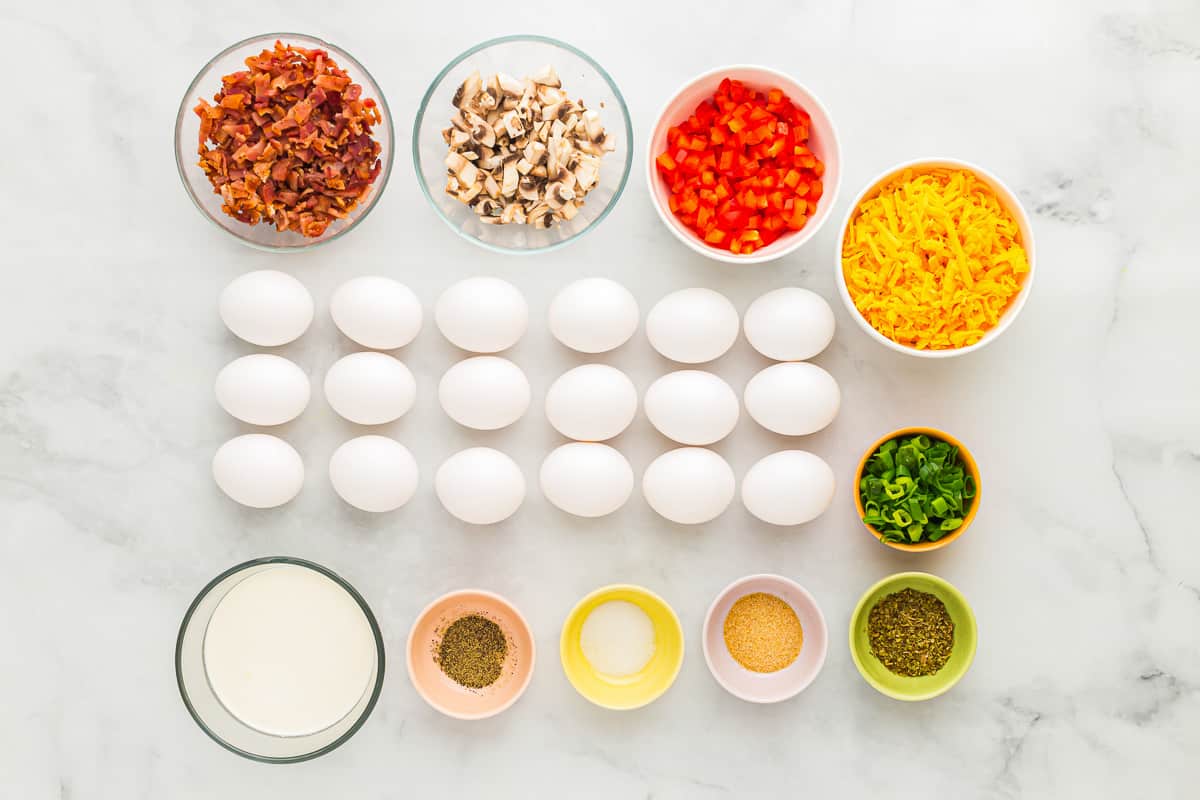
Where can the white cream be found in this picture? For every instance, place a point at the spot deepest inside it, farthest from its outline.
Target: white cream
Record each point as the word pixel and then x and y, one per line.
pixel 617 638
pixel 288 651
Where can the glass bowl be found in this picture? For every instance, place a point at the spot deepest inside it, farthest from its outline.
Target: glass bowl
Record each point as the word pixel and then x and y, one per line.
pixel 582 78
pixel 264 236
pixel 218 722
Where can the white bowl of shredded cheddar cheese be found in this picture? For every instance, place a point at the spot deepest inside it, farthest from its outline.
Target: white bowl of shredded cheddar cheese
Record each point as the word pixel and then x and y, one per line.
pixel 935 258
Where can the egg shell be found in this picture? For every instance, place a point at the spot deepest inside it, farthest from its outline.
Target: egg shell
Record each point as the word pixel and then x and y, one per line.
pixel 692 407
pixel 586 479
pixel 370 388
pixel 480 486
pixel 690 485
pixel 267 308
pixel 790 487
pixel 794 398
pixel 374 473
pixel 789 324
pixel 376 312
pixel 591 403
pixel 692 326
pixel 482 315
pixel 593 315
pixel 258 470
pixel 262 389
pixel 485 393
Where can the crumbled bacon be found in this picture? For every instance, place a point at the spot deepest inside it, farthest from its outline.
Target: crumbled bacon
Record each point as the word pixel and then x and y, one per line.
pixel 290 141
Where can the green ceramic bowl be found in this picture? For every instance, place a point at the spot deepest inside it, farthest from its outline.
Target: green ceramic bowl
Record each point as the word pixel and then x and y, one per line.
pixel 898 686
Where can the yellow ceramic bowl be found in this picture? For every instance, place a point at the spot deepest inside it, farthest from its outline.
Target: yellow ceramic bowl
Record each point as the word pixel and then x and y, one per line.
pixel 968 462
pixel 629 691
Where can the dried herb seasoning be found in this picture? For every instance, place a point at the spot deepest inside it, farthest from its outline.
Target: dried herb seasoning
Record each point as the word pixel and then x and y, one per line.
pixel 911 633
pixel 472 651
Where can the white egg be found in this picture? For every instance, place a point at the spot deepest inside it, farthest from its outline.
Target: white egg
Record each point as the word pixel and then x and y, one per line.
pixel 267 308
pixel 482 315
pixel 373 473
pixel 692 407
pixel 591 403
pixel 480 486
pixel 790 324
pixel 690 485
pixel 586 479
pixel 794 398
pixel 376 312
pixel 258 470
pixel 370 388
pixel 262 389
pixel 692 326
pixel 788 488
pixel 484 392
pixel 593 315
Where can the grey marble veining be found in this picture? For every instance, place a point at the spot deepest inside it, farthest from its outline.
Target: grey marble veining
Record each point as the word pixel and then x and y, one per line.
pixel 1083 566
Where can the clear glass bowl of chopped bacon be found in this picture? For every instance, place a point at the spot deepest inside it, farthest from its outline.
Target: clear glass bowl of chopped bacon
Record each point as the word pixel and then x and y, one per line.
pixel 522 144
pixel 284 141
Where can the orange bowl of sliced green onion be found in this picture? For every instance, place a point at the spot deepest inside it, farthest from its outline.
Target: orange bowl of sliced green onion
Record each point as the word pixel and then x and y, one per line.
pixel 917 489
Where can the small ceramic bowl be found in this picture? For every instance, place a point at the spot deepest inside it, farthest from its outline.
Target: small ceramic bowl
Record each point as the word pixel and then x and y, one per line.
pixel 583 78
pixel 631 691
pixel 1010 202
pixel 766 687
pixel 264 236
pixel 437 688
pixel 968 461
pixel 823 142
pixel 897 686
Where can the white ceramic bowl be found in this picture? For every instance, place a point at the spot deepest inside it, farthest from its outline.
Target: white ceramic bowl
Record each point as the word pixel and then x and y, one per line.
pixel 823 142
pixel 1011 203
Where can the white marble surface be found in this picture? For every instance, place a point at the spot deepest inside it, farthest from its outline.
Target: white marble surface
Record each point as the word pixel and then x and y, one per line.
pixel 1083 566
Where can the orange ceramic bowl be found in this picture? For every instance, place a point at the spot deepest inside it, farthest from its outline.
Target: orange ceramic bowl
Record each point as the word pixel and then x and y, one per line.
pixel 968 461
pixel 437 688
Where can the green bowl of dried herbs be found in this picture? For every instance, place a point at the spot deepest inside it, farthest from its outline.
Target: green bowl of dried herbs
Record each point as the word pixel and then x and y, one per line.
pixel 912 636
pixel 917 489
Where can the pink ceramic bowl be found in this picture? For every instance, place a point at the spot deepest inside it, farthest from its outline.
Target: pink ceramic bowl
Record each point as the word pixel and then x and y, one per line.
pixel 823 142
pixel 766 687
pixel 437 688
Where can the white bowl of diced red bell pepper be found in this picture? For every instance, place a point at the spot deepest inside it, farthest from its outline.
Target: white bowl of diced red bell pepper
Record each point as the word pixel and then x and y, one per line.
pixel 743 164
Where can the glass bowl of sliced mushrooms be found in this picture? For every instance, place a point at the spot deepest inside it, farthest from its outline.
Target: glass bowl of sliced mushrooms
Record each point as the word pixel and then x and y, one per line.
pixel 522 144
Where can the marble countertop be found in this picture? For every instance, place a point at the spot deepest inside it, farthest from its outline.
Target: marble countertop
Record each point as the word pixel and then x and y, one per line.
pixel 1082 567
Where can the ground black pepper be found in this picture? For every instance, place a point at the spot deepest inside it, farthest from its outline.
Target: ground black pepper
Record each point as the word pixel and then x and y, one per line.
pixel 472 651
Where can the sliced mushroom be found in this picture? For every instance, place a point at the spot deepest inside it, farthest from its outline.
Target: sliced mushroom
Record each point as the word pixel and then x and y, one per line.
pixel 491 187
pixel 468 90
pixel 559 194
pixel 508 186
pixel 513 124
pixel 529 188
pixel 546 76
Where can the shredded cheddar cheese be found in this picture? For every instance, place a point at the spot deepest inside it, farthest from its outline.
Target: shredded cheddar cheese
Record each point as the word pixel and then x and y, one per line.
pixel 932 260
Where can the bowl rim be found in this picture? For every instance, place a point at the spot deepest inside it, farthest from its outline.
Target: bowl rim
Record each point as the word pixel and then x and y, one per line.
pixel 611 588
pixel 690 239
pixel 463 56
pixel 1020 216
pixel 895 578
pixel 185 107
pixel 375 633
pixel 410 643
pixel 972 469
pixel 709 620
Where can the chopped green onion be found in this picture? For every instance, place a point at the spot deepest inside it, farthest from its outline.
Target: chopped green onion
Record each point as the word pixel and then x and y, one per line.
pixel 915 489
